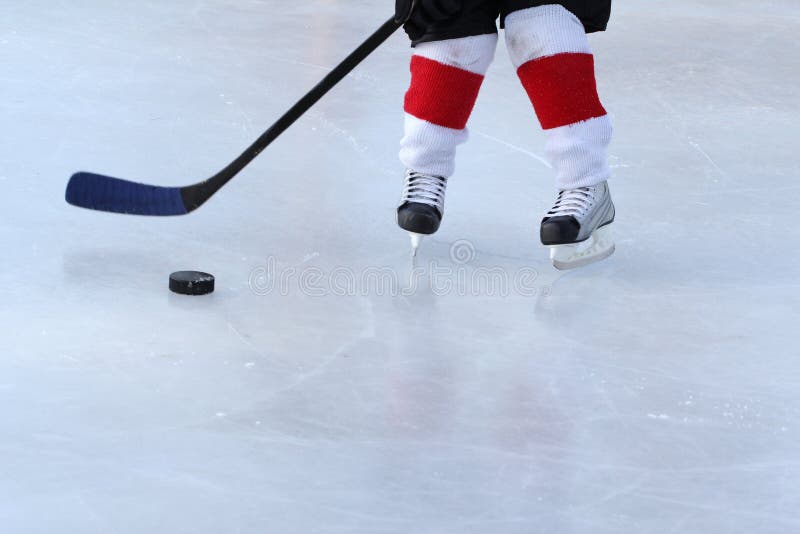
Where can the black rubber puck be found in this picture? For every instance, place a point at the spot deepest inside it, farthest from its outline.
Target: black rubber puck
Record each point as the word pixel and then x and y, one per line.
pixel 191 283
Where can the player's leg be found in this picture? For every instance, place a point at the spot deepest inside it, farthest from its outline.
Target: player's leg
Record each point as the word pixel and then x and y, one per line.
pixel 447 70
pixel 549 48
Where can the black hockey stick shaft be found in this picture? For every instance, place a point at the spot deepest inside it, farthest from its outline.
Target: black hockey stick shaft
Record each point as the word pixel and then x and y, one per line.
pixel 194 197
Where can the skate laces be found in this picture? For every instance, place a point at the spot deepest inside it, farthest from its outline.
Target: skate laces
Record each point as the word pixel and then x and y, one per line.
pixel 574 202
pixel 424 189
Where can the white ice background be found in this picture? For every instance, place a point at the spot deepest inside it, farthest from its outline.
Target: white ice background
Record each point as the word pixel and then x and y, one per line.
pixel 655 392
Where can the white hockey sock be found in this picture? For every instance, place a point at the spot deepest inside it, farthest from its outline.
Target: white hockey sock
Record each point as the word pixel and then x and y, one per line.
pixel 549 48
pixel 446 77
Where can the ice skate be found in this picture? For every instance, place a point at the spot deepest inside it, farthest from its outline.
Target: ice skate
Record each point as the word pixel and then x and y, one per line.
pixel 421 206
pixel 577 227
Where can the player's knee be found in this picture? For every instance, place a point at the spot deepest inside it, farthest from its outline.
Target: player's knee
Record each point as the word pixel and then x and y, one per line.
pixel 543 31
pixel 473 54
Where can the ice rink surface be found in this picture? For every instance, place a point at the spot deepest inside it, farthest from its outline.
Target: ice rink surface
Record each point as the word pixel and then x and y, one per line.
pixel 322 389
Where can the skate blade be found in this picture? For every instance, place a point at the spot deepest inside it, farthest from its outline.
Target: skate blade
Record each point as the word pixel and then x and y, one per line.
pixel 598 247
pixel 416 241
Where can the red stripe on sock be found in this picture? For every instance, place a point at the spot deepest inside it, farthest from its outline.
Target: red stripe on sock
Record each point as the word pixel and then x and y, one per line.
pixel 441 94
pixel 562 89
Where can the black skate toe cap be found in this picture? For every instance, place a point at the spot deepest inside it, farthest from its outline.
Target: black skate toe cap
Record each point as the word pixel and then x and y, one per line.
pixel 559 230
pixel 418 218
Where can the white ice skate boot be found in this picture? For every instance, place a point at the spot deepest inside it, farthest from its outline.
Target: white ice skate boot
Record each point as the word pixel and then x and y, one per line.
pixel 421 206
pixel 577 227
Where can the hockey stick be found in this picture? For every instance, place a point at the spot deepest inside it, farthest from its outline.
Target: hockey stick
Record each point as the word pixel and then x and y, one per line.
pixel 105 193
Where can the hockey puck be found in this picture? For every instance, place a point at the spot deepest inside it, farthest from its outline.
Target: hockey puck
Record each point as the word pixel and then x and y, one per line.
pixel 191 283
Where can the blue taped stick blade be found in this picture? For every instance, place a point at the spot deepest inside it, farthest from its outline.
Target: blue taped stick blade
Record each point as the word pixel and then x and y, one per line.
pixel 105 193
